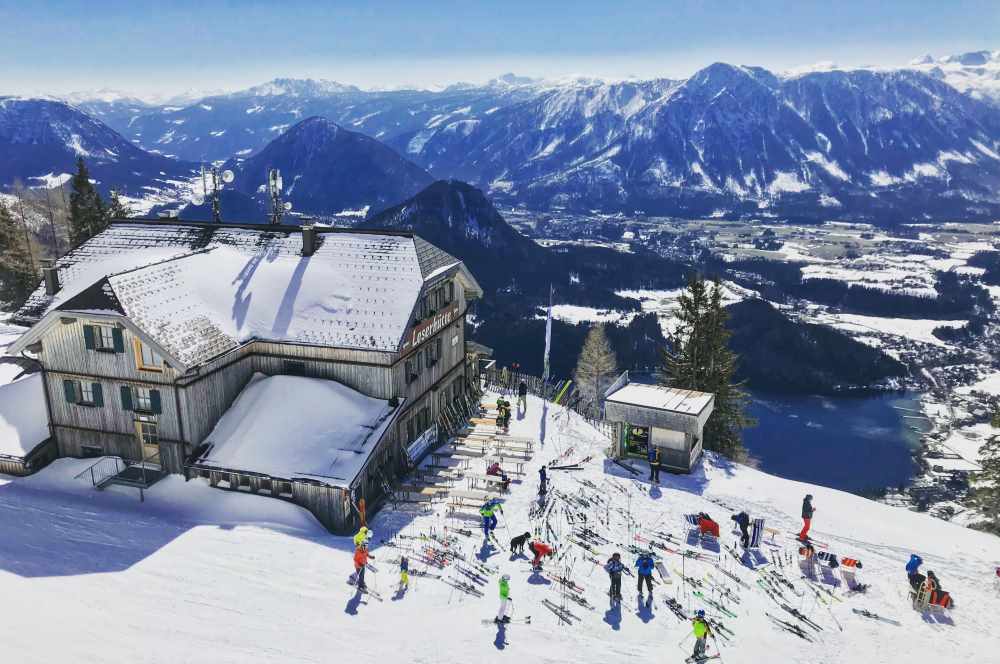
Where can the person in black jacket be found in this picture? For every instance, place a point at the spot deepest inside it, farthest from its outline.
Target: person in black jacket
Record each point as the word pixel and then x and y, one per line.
pixel 743 521
pixel 522 396
pixel 807 515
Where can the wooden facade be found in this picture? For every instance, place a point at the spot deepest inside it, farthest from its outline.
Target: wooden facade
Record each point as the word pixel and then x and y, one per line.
pixel 94 409
pixel 31 462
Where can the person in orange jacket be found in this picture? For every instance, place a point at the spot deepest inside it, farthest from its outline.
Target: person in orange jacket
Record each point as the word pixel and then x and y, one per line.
pixel 361 557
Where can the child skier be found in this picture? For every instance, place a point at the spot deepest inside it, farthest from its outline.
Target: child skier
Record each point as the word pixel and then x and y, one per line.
pixel 644 566
pixel 614 568
pixel 404 572
pixel 807 516
pixel 701 633
pixel 362 536
pixel 543 481
pixel 502 616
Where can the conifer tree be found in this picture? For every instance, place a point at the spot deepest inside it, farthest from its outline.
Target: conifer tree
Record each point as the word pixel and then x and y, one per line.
pixel 698 358
pixel 596 366
pixel 986 496
pixel 17 273
pixel 87 217
pixel 117 208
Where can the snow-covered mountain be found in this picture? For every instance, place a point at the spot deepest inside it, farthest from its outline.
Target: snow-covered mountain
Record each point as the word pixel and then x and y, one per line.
pixel 976 73
pixel 327 169
pixel 41 140
pixel 729 140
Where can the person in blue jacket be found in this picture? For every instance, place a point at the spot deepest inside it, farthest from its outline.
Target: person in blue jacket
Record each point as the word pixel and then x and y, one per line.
pixel 488 512
pixel 614 568
pixel 913 571
pixel 644 566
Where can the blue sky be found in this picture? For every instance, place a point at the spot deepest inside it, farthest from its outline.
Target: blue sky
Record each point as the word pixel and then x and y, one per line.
pixel 174 45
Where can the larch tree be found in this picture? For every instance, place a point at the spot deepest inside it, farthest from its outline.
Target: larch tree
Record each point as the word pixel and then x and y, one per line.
pixel 117 208
pixel 87 216
pixel 698 358
pixel 596 366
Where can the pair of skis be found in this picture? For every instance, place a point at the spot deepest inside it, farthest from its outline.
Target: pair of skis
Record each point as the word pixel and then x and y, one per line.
pixel 874 616
pixel 511 621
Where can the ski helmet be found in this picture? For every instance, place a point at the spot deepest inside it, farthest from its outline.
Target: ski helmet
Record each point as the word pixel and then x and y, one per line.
pixel 505 577
pixel 700 613
pixel 809 496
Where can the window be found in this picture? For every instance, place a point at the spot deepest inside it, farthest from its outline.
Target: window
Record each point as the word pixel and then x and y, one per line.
pixel 141 399
pixel 103 338
pixel 412 369
pixel 265 485
pixel 449 292
pixel 89 451
pixel 285 489
pixel 148 432
pixel 146 359
pixel 83 394
pixel 294 368
pixel 243 482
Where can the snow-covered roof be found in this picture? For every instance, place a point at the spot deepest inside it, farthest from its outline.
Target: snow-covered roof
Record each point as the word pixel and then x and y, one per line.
pixel 297 427
pixel 200 289
pixel 24 424
pixel 686 402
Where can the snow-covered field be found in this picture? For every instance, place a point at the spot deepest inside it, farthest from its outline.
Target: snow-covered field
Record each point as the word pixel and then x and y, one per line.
pixel 195 574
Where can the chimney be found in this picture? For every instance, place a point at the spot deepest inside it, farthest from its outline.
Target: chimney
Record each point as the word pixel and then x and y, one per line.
pixel 51 276
pixel 308 240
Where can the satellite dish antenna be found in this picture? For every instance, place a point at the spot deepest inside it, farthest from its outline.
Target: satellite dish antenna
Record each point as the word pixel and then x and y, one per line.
pixel 197 200
pixel 288 206
pixel 228 176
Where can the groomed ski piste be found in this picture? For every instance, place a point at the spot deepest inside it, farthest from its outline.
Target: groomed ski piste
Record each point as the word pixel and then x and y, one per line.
pixel 195 574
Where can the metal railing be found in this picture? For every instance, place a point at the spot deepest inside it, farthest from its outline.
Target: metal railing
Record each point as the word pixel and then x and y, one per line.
pixel 103 470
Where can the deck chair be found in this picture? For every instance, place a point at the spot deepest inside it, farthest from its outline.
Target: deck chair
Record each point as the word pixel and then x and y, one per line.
pixel 692 522
pixel 828 559
pixel 756 533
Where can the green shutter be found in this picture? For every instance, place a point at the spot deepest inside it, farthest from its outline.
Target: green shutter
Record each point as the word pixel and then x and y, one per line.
pixel 69 387
pixel 119 341
pixel 126 397
pixel 156 405
pixel 88 337
pixel 98 393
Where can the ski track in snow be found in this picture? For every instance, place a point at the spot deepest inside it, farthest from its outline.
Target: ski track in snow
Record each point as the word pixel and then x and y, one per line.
pixel 196 574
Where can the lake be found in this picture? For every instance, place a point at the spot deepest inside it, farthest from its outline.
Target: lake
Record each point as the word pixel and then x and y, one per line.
pixel 850 443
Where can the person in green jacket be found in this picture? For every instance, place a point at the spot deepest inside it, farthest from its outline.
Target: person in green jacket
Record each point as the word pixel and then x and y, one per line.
pixel 502 616
pixel 701 633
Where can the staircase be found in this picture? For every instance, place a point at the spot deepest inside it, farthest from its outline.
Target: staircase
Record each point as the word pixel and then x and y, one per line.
pixel 125 472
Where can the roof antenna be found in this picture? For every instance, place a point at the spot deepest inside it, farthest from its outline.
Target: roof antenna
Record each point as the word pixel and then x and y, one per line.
pixel 274 193
pixel 218 181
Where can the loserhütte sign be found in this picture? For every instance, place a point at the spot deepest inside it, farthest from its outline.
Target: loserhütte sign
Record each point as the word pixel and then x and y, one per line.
pixel 428 328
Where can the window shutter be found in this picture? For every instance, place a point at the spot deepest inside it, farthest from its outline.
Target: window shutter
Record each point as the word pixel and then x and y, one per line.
pixel 154 400
pixel 98 393
pixel 88 337
pixel 69 387
pixel 116 336
pixel 126 397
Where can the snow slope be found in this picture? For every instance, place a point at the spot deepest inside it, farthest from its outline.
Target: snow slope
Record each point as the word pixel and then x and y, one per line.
pixel 199 575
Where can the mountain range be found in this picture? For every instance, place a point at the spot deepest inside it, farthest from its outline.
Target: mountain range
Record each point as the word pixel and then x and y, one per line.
pixel 886 145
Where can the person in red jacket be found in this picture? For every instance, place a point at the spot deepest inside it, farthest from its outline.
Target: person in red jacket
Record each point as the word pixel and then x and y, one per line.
pixel 361 557
pixel 540 549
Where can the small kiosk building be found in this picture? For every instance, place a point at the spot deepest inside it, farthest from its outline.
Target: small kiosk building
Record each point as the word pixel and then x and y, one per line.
pixel 665 417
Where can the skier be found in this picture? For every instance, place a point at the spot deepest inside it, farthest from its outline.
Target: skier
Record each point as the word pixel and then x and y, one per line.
pixel 807 515
pixel 644 566
pixel 743 521
pixel 614 568
pixel 701 633
pixel 488 512
pixel 404 572
pixel 540 549
pixel 361 558
pixel 522 396
pixel 543 481
pixel 654 463
pixel 502 617
pixel 506 416
pixel 504 482
pixel 362 536
pixel 913 574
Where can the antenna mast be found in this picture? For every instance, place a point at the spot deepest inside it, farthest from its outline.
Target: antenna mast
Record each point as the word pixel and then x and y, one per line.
pixel 274 193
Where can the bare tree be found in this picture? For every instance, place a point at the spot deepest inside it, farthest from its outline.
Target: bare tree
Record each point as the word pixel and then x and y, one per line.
pixel 596 366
